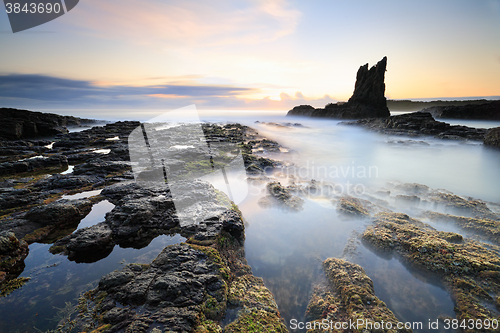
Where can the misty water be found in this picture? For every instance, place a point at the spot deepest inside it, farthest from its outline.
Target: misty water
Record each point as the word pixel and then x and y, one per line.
pixel 286 248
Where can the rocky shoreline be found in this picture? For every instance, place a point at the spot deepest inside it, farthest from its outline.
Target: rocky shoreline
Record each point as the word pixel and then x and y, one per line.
pixel 421 123
pixel 24 124
pixel 188 287
pixel 205 283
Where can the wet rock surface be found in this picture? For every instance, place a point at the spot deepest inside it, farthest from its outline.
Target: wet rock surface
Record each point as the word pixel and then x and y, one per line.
pixel 367 101
pixel 59 212
pixel 420 124
pixel 280 196
pixel 187 287
pixel 348 296
pixel 141 214
pixel 33 164
pixel 467 268
pixel 12 255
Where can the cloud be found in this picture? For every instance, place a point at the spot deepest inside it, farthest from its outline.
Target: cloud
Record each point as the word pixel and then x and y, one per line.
pixel 32 90
pixel 49 88
pixel 189 21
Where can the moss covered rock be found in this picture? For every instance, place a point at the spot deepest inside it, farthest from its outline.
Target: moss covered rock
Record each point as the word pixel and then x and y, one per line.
pixel 352 207
pixel 470 271
pixel 351 298
pixel 256 321
pixel 487 228
pixel 279 196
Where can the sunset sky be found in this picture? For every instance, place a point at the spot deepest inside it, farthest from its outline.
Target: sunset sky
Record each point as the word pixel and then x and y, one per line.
pixel 248 54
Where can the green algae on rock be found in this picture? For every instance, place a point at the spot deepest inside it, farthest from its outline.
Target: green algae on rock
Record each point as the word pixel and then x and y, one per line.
pixel 9 286
pixel 490 229
pixel 248 291
pixel 349 297
pixel 12 255
pixel 280 196
pixel 470 207
pixel 467 269
pixel 256 321
pixel 352 207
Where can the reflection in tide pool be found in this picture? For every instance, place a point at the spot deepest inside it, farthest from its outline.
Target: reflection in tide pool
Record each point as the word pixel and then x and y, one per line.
pixel 55 281
pixel 97 214
pixel 82 195
pixel 287 249
pixel 69 170
pixel 411 296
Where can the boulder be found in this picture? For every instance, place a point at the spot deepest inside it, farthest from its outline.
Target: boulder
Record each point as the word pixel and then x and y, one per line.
pixel 492 138
pixel 60 212
pixel 86 245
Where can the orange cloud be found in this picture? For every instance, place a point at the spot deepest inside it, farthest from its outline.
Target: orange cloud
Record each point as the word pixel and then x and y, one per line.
pixel 168 96
pixel 187 22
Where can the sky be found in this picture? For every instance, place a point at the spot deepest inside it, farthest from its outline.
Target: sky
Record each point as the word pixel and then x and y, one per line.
pixel 248 54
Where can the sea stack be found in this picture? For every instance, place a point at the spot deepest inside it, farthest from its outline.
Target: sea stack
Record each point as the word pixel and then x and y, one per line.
pixel 367 101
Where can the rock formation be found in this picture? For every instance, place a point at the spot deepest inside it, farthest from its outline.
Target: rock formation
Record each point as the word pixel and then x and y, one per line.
pixel 418 124
pixel 486 111
pixel 367 101
pixel 23 124
pixel 492 138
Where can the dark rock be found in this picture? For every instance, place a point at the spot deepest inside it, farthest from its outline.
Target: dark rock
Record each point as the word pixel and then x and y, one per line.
pixel 492 138
pixel 86 245
pixel 11 197
pixel 418 124
pixel 12 255
pixel 19 124
pixel 232 223
pixel 187 288
pixel 33 164
pixel 100 167
pixel 484 111
pixel 367 101
pixel 370 86
pixel 302 110
pixel 66 182
pixel 177 282
pixel 143 213
pixel 60 212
